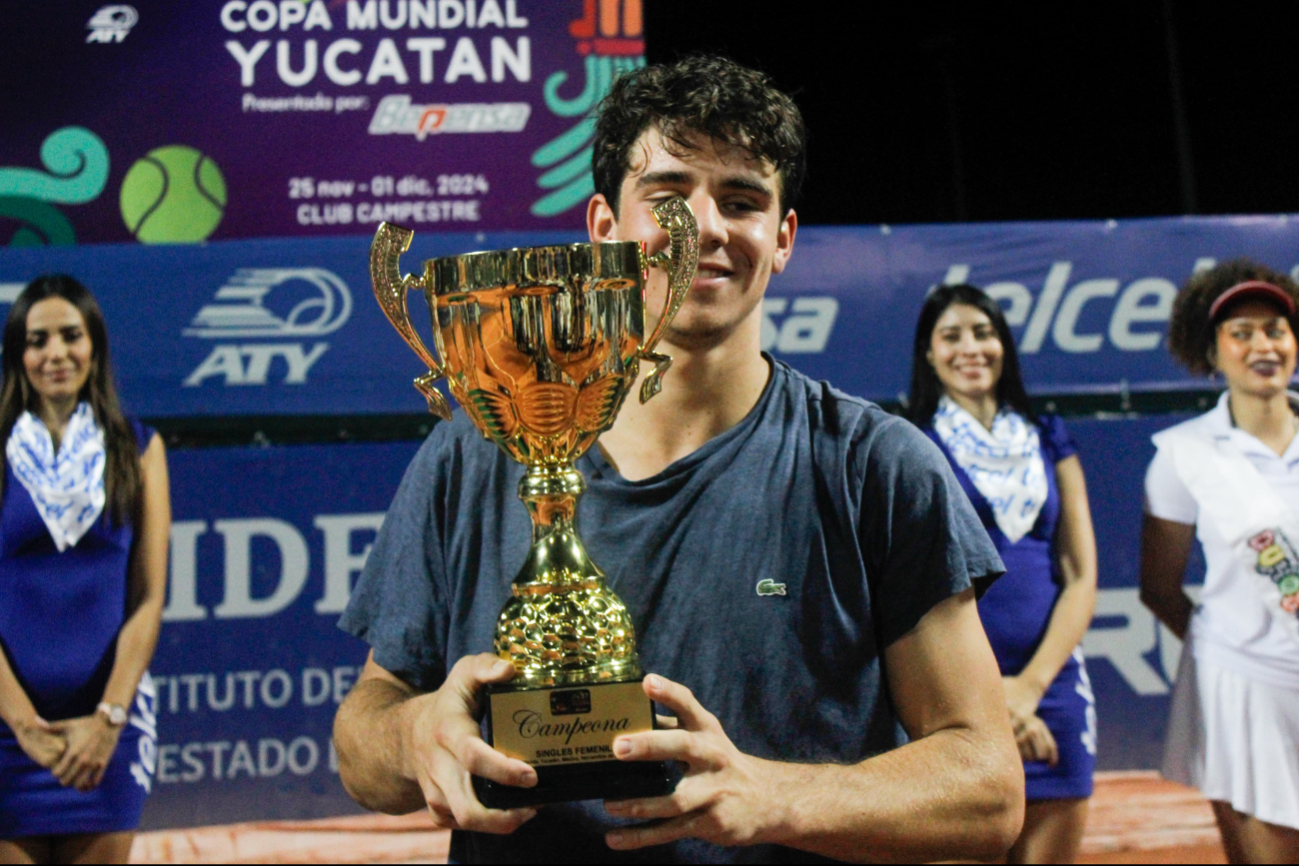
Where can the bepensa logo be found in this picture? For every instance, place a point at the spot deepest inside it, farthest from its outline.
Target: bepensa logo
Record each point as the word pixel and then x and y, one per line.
pixel 111 23
pixel 398 115
pixel 239 311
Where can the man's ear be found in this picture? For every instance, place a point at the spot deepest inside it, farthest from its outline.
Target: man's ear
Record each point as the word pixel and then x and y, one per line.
pixel 601 221
pixel 785 241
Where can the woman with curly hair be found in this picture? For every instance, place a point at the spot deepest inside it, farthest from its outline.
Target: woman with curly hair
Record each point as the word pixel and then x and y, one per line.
pixel 1231 479
pixel 84 520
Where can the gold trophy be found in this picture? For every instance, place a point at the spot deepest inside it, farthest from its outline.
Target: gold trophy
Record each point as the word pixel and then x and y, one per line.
pixel 540 346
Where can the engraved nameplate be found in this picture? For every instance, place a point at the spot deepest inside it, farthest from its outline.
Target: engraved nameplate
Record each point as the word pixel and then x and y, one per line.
pixel 568 725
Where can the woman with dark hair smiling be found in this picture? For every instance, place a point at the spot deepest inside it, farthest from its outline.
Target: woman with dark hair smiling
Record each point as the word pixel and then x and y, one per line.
pixel 1022 474
pixel 1230 478
pixel 85 515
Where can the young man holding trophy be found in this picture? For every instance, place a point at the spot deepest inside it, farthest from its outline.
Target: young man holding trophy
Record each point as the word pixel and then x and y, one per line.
pixel 794 568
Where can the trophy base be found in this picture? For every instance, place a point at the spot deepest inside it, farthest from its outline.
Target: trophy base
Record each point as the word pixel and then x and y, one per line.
pixel 605 780
pixel 566 733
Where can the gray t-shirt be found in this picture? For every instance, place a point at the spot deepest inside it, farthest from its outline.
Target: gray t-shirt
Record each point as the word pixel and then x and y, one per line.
pixel 854 511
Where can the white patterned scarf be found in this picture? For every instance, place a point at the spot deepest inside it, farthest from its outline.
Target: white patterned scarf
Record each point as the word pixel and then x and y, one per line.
pixel 67 487
pixel 1004 463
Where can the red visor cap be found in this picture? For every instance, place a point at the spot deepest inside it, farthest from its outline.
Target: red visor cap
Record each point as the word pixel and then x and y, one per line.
pixel 1252 289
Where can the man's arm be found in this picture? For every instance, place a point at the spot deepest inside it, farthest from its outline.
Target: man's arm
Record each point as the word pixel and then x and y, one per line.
pixel 955 791
pixel 400 750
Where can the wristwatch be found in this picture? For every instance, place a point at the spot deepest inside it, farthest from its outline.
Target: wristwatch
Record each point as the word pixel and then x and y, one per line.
pixel 115 713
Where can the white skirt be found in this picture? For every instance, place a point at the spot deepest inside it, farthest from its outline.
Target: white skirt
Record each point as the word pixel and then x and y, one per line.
pixel 1235 739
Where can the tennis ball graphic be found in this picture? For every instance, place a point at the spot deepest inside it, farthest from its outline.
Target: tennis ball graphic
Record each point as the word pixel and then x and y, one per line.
pixel 173 195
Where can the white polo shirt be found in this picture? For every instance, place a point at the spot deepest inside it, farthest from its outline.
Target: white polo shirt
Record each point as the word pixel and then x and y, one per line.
pixel 1231 627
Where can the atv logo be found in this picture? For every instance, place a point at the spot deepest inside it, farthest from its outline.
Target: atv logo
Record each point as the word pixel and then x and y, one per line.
pixel 111 23
pixel 397 114
pixel 240 311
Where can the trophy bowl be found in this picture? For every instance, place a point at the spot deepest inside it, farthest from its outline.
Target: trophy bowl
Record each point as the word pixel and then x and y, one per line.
pixel 540 346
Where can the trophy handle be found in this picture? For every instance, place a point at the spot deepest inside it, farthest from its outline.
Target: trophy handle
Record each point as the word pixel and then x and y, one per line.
pixel 390 288
pixel 680 261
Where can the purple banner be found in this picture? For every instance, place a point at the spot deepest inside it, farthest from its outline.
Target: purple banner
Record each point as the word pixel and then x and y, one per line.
pixel 182 122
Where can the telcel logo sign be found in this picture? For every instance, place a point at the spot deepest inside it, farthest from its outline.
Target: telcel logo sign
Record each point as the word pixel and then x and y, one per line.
pixel 239 311
pixel 1057 310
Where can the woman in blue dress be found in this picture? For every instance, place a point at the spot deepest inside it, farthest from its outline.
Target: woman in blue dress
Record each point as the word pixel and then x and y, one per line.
pixel 85 515
pixel 1023 476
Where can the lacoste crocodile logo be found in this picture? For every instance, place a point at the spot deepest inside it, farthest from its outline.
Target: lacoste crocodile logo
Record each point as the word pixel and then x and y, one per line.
pixel 770 587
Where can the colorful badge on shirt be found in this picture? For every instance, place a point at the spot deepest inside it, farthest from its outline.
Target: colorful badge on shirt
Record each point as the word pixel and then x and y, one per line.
pixel 1276 559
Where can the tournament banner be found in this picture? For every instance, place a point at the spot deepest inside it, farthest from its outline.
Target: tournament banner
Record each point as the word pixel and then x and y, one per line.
pixel 266 544
pixel 164 122
pixel 1088 302
pixel 290 327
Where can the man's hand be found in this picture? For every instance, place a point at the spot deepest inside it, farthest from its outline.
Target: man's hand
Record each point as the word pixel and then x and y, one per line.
pixel 1036 742
pixel 39 743
pixel 723 798
pixel 91 741
pixel 443 746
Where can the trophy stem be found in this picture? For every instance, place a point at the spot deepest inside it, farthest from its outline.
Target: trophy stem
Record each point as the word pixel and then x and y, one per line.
pixel 558 558
pixel 550 494
pixel 562 624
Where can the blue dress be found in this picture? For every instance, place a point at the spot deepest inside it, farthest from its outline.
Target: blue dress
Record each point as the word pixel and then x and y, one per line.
pixel 60 614
pixel 1016 611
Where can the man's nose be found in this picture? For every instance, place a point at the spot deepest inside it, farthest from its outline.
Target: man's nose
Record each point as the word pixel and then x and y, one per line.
pixel 712 226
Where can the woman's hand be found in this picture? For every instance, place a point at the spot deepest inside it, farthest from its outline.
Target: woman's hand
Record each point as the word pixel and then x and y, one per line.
pixel 1036 743
pixel 1022 698
pixel 39 742
pixel 1032 736
pixel 91 741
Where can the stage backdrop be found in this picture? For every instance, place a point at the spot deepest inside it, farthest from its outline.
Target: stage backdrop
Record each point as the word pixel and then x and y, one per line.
pixel 175 122
pixel 268 541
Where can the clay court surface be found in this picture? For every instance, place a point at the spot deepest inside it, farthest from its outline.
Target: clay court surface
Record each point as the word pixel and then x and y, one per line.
pixel 1135 818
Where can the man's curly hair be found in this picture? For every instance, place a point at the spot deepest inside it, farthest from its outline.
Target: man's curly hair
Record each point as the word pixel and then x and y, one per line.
pixel 703 94
pixel 1191 336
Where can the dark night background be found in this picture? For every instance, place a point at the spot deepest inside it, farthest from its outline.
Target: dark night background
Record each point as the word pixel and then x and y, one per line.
pixel 937 113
